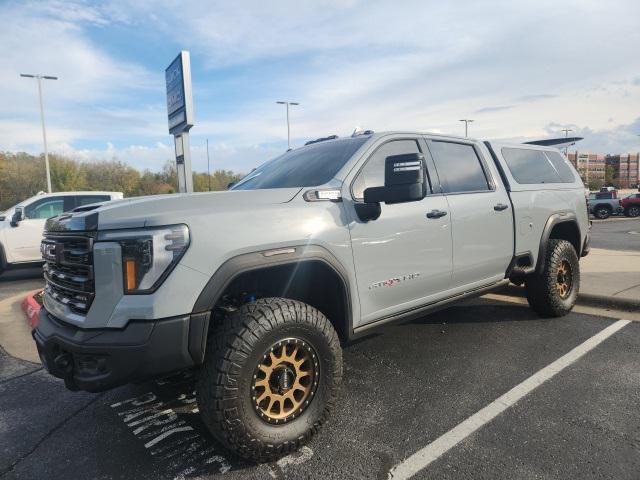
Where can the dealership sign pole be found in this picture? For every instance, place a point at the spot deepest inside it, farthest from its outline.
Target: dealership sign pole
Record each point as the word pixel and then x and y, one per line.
pixel 180 112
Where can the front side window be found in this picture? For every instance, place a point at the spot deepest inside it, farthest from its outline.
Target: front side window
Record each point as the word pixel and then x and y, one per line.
pixel 372 174
pixel 459 167
pixel 530 166
pixel 308 166
pixel 45 208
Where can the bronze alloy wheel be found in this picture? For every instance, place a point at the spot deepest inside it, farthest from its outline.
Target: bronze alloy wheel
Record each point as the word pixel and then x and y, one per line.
pixel 564 279
pixel 285 381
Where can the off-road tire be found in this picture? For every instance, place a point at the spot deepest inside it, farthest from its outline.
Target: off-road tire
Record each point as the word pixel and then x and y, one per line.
pixel 602 212
pixel 542 292
pixel 234 349
pixel 633 211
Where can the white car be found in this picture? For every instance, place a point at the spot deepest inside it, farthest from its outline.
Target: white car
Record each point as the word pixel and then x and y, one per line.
pixel 22 225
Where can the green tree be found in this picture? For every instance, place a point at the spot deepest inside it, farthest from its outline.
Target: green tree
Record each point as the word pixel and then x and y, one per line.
pixel 609 176
pixel 23 175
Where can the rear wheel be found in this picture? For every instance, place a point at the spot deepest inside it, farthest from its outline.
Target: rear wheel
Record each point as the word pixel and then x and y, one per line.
pixel 553 291
pixel 270 377
pixel 632 211
pixel 602 212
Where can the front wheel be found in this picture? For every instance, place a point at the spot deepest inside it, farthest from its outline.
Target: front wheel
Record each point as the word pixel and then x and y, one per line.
pixel 270 378
pixel 553 291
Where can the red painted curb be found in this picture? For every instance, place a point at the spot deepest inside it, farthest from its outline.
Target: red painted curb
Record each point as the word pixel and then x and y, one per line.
pixel 31 309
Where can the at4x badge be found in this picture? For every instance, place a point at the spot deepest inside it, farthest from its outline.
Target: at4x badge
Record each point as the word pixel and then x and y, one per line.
pixel 392 282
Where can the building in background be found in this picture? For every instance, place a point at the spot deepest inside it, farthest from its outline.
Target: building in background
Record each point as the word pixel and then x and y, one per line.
pixel 590 166
pixel 625 169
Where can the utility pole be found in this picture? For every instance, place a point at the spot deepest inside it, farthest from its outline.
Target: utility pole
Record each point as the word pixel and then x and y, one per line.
pixel 44 131
pixel 466 121
pixel 208 169
pixel 566 135
pixel 287 103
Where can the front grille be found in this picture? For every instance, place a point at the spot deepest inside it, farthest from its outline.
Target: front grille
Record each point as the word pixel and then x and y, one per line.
pixel 68 270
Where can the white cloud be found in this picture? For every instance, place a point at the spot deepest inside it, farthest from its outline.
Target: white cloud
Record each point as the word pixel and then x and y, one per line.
pixel 518 68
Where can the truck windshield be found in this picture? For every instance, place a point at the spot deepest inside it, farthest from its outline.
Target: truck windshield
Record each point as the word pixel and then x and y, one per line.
pixel 307 166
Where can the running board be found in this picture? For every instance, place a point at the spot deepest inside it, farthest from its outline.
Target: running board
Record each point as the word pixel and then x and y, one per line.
pixel 417 312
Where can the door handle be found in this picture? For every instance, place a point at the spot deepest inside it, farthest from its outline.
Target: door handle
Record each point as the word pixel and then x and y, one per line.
pixel 436 214
pixel 499 207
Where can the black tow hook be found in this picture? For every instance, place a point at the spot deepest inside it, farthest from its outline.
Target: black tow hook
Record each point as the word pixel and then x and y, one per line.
pixel 64 363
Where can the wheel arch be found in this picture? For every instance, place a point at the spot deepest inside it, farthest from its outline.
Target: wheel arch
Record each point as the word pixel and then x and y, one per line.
pixel 605 205
pixel 562 226
pixel 308 273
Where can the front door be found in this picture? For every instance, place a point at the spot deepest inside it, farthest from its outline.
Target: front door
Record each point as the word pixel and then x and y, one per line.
pixel 403 258
pixel 23 241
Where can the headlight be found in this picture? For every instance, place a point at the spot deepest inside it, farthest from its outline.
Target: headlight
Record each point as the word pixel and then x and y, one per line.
pixel 148 255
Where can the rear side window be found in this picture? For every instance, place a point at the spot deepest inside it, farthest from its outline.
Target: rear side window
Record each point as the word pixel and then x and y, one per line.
pixel 564 168
pixel 459 167
pixel 89 199
pixel 530 166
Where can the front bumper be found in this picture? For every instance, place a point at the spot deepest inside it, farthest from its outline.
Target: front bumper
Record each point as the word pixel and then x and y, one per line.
pixel 99 359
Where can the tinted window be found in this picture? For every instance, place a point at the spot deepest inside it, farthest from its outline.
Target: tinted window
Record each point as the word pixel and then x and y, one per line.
pixel 45 208
pixel 564 168
pixel 372 175
pixel 304 167
pixel 530 166
pixel 459 167
pixel 89 199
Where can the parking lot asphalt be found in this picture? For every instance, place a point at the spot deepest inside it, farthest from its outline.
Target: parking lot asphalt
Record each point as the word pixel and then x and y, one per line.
pixel 616 233
pixel 403 388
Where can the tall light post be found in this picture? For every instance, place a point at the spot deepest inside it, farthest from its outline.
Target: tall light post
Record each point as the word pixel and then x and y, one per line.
pixel 288 127
pixel 566 147
pixel 44 131
pixel 466 121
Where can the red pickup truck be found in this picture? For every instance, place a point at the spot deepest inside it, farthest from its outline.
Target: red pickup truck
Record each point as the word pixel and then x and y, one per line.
pixel 631 205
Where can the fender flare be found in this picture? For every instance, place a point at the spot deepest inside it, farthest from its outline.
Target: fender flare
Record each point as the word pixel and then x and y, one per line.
pixel 552 221
pixel 261 259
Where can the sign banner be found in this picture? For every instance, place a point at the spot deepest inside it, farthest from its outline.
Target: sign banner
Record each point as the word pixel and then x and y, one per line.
pixel 179 99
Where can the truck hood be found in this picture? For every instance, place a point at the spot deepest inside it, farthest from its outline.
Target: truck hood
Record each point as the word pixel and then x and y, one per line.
pixel 167 209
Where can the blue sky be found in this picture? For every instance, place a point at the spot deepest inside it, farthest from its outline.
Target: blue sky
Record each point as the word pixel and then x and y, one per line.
pixel 522 70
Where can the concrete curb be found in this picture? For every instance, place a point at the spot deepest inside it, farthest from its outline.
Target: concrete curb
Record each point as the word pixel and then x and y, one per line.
pixel 589 299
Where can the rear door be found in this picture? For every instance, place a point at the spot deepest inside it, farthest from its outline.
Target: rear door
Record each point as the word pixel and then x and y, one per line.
pixel 481 217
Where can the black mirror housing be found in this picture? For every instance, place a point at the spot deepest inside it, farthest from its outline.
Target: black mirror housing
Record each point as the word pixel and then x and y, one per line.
pixel 16 218
pixel 404 180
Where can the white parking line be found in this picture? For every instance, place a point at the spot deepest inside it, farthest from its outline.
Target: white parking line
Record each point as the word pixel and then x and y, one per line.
pixel 425 456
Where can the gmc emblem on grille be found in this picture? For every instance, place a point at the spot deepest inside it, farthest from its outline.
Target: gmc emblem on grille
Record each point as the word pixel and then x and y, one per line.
pixel 48 251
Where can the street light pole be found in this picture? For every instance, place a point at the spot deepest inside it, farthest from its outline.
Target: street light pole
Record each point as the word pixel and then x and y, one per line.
pixel 466 121
pixel 44 130
pixel 566 147
pixel 288 126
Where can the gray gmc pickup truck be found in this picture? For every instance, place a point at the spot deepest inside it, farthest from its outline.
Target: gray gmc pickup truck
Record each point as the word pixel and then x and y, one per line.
pixel 256 288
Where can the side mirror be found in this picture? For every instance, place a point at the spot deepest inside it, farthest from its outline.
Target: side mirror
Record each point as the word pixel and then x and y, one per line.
pixel 17 217
pixel 404 180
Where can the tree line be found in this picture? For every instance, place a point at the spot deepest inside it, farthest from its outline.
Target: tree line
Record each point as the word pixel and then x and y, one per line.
pixel 23 175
